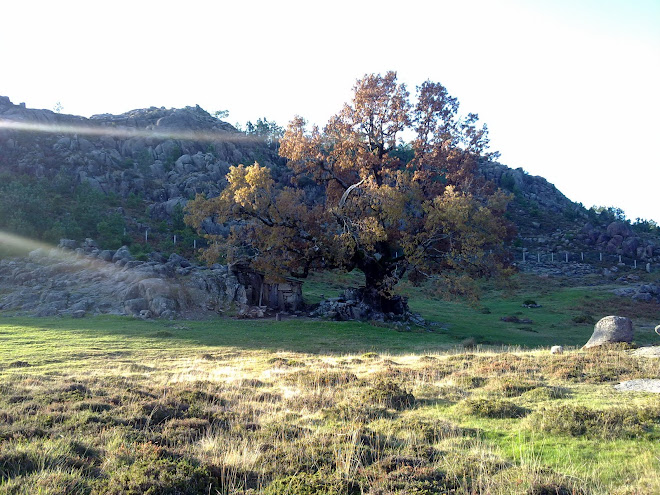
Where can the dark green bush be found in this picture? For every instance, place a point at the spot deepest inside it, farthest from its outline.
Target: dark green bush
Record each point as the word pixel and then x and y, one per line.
pixel 577 420
pixel 151 476
pixel 584 319
pixel 312 484
pixel 389 394
pixel 493 408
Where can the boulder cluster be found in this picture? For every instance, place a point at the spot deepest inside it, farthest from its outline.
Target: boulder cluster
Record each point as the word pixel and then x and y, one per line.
pixel 164 156
pixel 649 292
pixel 83 279
pixel 619 238
pixel 352 304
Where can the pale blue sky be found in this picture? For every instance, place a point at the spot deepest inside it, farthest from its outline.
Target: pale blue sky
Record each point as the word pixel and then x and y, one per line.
pixel 569 89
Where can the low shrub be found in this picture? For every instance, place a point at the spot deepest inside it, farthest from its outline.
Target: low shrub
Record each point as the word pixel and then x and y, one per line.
pixel 466 381
pixel 546 393
pixel 493 408
pixel 511 386
pixel 164 476
pixel 577 420
pixel 278 362
pixel 312 484
pixel 323 378
pixel 584 319
pixel 389 394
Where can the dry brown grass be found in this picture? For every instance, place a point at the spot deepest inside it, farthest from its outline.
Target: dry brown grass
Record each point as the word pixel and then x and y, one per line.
pixel 256 422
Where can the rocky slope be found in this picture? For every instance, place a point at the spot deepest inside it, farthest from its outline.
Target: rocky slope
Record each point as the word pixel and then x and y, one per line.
pixel 164 157
pixel 78 280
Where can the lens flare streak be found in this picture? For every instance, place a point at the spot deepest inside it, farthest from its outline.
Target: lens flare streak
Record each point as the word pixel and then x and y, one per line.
pixel 127 132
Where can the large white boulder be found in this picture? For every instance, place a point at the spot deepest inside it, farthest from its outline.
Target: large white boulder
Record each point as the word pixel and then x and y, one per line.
pixel 610 330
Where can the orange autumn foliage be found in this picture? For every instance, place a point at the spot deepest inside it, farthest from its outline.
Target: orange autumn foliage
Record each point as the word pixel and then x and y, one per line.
pixel 374 204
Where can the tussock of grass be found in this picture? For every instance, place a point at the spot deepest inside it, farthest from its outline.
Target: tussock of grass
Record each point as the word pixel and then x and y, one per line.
pixel 611 423
pixel 492 408
pixel 388 394
pixel 511 386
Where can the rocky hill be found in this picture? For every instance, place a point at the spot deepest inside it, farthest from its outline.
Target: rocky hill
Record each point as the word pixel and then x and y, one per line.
pixel 164 157
pixel 123 180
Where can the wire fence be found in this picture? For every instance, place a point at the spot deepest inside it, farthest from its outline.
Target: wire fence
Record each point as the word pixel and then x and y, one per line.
pixel 597 258
pixel 524 255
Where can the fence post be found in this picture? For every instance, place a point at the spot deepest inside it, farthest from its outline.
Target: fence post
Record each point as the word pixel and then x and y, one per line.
pixel 648 267
pixel 538 257
pixel 566 256
pixel 552 256
pixel 194 243
pixel 174 239
pixel 619 258
pixel 635 263
pixel 146 235
pixel 582 256
pixel 523 256
pixel 601 256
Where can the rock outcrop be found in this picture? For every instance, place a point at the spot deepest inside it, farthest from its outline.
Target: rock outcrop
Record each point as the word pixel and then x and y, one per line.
pixel 611 330
pixel 352 304
pixel 649 385
pixel 87 280
pixel 530 187
pixel 165 156
pixel 649 292
pixel 618 238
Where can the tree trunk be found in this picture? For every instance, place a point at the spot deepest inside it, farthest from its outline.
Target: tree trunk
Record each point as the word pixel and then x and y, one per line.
pixel 377 292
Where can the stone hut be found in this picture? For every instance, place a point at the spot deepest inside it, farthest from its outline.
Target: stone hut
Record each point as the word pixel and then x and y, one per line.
pixel 282 296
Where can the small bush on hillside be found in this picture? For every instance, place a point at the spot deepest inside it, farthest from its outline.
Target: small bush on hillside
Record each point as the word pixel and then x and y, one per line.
pixel 598 366
pixel 312 484
pixel 576 420
pixel 584 319
pixel 321 378
pixel 511 386
pixel 493 408
pixel 546 393
pixel 352 411
pixel 466 381
pixel 163 476
pixel 279 362
pixel 389 394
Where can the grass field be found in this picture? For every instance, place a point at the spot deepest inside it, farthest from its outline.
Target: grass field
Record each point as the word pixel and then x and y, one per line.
pixel 122 406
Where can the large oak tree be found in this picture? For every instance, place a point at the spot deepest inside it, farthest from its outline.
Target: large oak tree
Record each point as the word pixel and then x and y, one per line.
pixel 360 198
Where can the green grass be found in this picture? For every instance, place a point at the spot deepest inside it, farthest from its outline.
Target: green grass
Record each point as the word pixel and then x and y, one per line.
pixel 44 341
pixel 121 405
pixel 553 323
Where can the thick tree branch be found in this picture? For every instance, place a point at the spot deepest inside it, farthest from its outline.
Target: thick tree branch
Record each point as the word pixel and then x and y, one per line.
pixel 344 196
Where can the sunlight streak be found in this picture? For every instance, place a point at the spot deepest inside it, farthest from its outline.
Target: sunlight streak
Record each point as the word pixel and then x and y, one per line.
pixel 44 253
pixel 16 243
pixel 128 132
pixel 47 254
